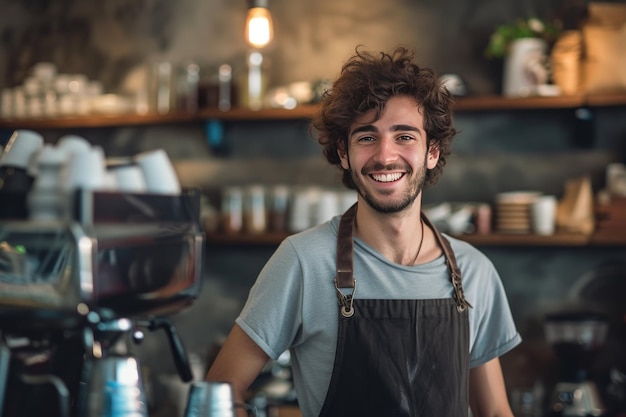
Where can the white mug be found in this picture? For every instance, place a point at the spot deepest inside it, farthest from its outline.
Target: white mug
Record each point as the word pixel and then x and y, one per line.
pixel 158 172
pixel 543 214
pixel 129 178
pixel 73 144
pixel 86 169
pixel 22 145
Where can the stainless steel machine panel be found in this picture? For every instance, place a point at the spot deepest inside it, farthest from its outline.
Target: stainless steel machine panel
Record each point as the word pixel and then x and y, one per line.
pixel 133 254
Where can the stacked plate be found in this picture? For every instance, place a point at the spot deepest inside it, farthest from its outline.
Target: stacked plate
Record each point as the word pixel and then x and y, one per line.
pixel 513 211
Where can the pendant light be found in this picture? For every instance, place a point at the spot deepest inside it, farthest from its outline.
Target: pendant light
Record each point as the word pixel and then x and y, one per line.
pixel 259 31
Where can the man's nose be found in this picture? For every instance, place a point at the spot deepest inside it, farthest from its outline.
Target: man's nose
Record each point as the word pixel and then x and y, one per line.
pixel 387 150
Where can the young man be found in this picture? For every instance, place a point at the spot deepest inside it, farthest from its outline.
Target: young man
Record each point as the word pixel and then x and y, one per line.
pixel 382 314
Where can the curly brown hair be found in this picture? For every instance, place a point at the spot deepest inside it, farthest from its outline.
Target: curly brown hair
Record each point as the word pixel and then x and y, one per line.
pixel 367 81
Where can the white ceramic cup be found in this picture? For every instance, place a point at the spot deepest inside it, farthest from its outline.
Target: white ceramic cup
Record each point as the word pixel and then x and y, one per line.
pixel 86 169
pixel 22 145
pixel 129 178
pixel 543 215
pixel 158 172
pixel 73 144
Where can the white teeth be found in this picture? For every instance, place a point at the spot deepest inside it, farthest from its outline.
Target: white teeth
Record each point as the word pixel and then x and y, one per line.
pixel 386 177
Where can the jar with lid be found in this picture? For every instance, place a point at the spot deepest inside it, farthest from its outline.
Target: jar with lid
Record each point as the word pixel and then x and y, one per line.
pixel 255 213
pixel 232 209
pixel 216 88
pixel 278 205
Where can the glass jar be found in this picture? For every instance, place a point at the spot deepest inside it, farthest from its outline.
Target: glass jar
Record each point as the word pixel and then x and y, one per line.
pixel 255 213
pixel 232 209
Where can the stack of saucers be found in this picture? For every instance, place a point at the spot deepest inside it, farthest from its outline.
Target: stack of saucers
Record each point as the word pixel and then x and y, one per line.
pixel 513 211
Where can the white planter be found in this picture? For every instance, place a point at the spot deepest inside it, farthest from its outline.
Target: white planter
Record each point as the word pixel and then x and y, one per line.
pixel 525 67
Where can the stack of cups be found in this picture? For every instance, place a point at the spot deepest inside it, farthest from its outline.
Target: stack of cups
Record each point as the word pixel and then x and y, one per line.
pixel 73 163
pixel 47 199
pixel 56 171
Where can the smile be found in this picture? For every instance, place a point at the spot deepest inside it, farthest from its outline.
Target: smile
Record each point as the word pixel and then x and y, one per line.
pixel 386 177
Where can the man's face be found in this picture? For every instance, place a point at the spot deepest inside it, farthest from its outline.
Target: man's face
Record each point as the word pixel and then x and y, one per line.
pixel 388 158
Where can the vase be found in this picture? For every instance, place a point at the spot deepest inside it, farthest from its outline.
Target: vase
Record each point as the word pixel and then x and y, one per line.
pixel 525 67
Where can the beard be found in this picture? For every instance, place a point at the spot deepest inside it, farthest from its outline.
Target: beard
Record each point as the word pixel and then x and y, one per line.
pixel 387 205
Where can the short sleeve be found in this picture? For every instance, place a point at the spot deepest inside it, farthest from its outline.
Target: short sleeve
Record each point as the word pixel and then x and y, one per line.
pixel 272 313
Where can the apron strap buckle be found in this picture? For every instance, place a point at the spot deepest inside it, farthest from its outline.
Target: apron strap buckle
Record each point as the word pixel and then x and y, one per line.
pixel 346 300
pixel 459 296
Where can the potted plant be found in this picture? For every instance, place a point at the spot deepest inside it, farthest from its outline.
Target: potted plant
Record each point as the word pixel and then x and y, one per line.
pixel 504 35
pixel 524 46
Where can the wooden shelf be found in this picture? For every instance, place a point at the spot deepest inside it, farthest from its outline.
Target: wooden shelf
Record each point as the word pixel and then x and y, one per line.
pixel 300 112
pixel 501 239
pixel 96 121
pixel 463 104
pixel 496 239
pixel 496 103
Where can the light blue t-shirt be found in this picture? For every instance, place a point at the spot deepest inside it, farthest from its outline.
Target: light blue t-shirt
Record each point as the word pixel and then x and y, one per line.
pixel 293 303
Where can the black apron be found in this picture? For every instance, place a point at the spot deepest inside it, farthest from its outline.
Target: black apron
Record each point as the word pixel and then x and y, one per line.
pixel 398 357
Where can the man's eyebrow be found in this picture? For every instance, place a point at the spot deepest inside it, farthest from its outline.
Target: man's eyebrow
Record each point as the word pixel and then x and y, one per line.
pixel 394 128
pixel 364 128
pixel 399 128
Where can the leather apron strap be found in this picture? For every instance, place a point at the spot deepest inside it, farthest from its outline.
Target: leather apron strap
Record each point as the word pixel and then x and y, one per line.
pixel 345 283
pixel 453 268
pixel 344 277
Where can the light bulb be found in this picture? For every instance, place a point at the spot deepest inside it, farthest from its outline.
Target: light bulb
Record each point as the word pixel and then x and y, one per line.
pixel 259 27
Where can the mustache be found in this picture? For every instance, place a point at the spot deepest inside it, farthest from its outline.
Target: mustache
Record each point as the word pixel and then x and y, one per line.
pixel 377 166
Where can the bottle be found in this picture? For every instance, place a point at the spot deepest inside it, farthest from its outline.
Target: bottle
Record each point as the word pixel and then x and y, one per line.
pixel 187 87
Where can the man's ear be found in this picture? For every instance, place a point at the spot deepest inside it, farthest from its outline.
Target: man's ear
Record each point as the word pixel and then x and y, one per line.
pixel 433 156
pixel 343 156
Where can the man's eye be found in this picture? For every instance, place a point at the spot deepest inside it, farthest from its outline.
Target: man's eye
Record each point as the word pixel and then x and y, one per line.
pixel 405 137
pixel 366 139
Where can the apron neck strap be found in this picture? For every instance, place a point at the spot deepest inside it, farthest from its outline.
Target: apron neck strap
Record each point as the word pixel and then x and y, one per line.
pixel 345 249
pixel 453 268
pixel 344 277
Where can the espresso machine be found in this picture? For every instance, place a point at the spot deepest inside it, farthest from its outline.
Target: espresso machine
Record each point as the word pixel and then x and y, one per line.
pixel 576 338
pixel 76 293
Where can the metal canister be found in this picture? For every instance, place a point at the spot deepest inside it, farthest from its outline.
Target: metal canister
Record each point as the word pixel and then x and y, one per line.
pixel 210 399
